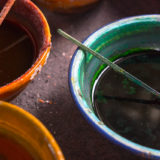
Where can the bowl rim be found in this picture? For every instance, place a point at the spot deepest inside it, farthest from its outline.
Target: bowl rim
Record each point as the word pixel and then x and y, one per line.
pixel 85 109
pixel 37 65
pixel 36 122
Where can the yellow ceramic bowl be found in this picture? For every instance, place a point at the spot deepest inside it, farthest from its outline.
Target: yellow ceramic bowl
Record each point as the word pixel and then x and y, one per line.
pixel 28 131
pixel 25 13
pixel 68 6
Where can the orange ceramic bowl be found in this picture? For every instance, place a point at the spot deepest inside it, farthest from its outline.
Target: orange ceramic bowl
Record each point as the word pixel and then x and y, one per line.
pixel 25 13
pixel 68 6
pixel 27 131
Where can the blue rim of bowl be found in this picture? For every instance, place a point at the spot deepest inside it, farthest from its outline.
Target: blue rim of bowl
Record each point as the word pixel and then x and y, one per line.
pixel 91 118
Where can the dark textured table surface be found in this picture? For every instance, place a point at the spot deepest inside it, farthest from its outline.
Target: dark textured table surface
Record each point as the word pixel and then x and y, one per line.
pixel 77 139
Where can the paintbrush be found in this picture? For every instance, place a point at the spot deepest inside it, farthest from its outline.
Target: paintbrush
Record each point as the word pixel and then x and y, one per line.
pixel 5 10
pixel 114 66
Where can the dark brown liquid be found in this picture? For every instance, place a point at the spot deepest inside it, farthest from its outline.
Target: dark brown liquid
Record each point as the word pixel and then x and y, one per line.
pixel 17 60
pixel 127 108
pixel 12 150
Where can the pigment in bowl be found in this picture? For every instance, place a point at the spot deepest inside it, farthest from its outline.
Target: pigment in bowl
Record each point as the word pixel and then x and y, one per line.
pixel 15 149
pixel 28 46
pixel 17 51
pixel 122 111
pixel 127 108
pixel 24 137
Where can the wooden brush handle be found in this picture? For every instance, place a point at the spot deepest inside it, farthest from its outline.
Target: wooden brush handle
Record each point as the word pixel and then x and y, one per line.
pixel 5 10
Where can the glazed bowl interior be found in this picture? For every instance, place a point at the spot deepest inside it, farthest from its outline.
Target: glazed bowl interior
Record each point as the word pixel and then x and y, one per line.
pixel 29 132
pixel 28 16
pixel 112 41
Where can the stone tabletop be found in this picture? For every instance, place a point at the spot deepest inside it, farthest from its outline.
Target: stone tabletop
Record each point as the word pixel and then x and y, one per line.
pixel 48 97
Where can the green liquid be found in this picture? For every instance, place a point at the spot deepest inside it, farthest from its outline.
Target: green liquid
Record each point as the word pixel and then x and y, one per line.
pixel 127 108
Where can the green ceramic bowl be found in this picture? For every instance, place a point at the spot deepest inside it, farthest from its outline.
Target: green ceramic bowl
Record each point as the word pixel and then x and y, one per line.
pixel 112 41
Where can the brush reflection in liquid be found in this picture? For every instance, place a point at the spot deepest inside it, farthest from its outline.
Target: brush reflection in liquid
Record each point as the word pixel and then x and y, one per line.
pixel 17 59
